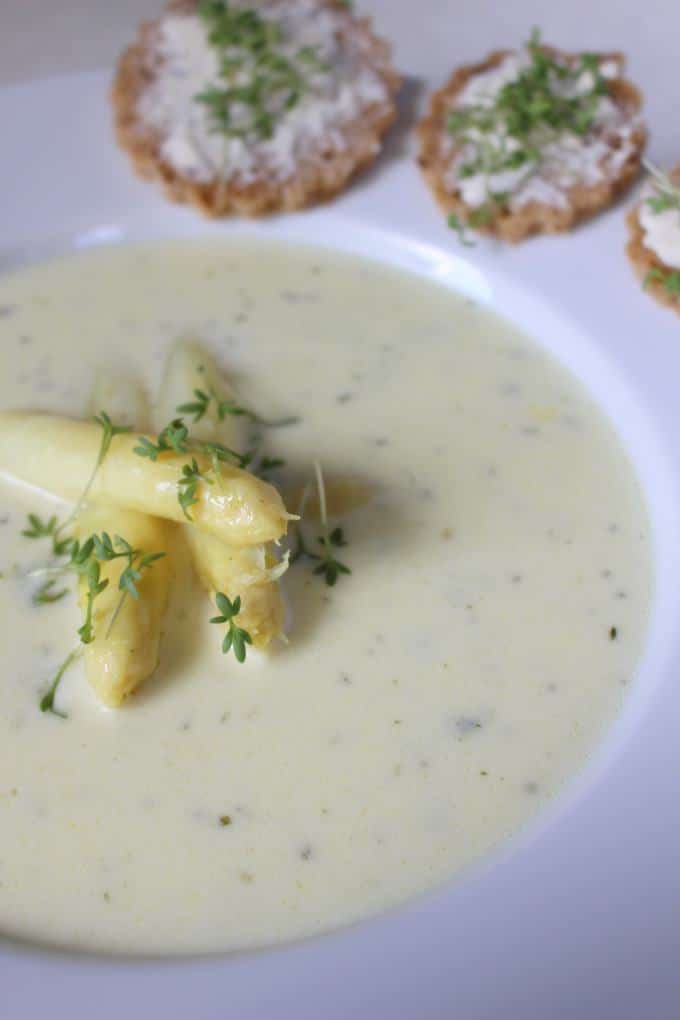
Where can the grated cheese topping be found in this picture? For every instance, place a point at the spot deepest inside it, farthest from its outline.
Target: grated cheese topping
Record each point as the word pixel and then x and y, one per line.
pixel 343 83
pixel 565 159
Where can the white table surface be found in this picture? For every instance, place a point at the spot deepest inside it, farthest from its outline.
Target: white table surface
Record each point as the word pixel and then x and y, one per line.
pixel 46 37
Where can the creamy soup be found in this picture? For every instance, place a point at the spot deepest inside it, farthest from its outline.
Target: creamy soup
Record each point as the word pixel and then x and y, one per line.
pixel 424 708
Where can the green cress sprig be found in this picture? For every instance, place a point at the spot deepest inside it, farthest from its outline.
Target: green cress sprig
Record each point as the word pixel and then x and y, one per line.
pixel 175 438
pixel 50 528
pixel 109 431
pixel 47 700
pixel 203 400
pixel 328 566
pixel 48 593
pixel 457 224
pixel 526 113
pixel 236 637
pixel 669 280
pixel 198 407
pixel 258 81
pixel 666 192
pixel 138 560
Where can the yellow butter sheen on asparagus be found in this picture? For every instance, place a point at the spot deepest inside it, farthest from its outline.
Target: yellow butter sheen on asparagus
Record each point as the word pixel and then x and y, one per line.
pixel 124 651
pixel 58 454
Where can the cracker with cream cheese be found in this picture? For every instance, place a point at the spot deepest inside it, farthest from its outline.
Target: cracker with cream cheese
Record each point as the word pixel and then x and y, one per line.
pixel 531 141
pixel 654 245
pixel 254 106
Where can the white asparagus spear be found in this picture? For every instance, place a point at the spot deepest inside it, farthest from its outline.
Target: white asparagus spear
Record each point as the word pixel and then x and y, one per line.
pixel 116 663
pixel 190 367
pixel 121 396
pixel 124 651
pixel 58 454
pixel 247 572
pixel 251 573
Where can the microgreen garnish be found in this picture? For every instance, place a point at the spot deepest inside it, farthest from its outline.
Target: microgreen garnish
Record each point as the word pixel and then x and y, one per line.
pixel 109 430
pixel 457 224
pixel 83 562
pixel 175 438
pixel 258 82
pixel 236 637
pixel 227 406
pixel 670 280
pixel 666 192
pixel 482 215
pixel 47 700
pixel 37 528
pixel 219 454
pixel 301 550
pixel 46 593
pixel 188 486
pixel 508 131
pixel 274 423
pixel 147 448
pixel 328 566
pixel 196 408
pixel 138 561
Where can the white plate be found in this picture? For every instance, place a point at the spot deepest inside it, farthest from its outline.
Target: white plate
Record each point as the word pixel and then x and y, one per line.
pixel 578 916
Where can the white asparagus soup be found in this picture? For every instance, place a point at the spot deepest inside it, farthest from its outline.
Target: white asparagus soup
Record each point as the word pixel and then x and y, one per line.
pixel 421 709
